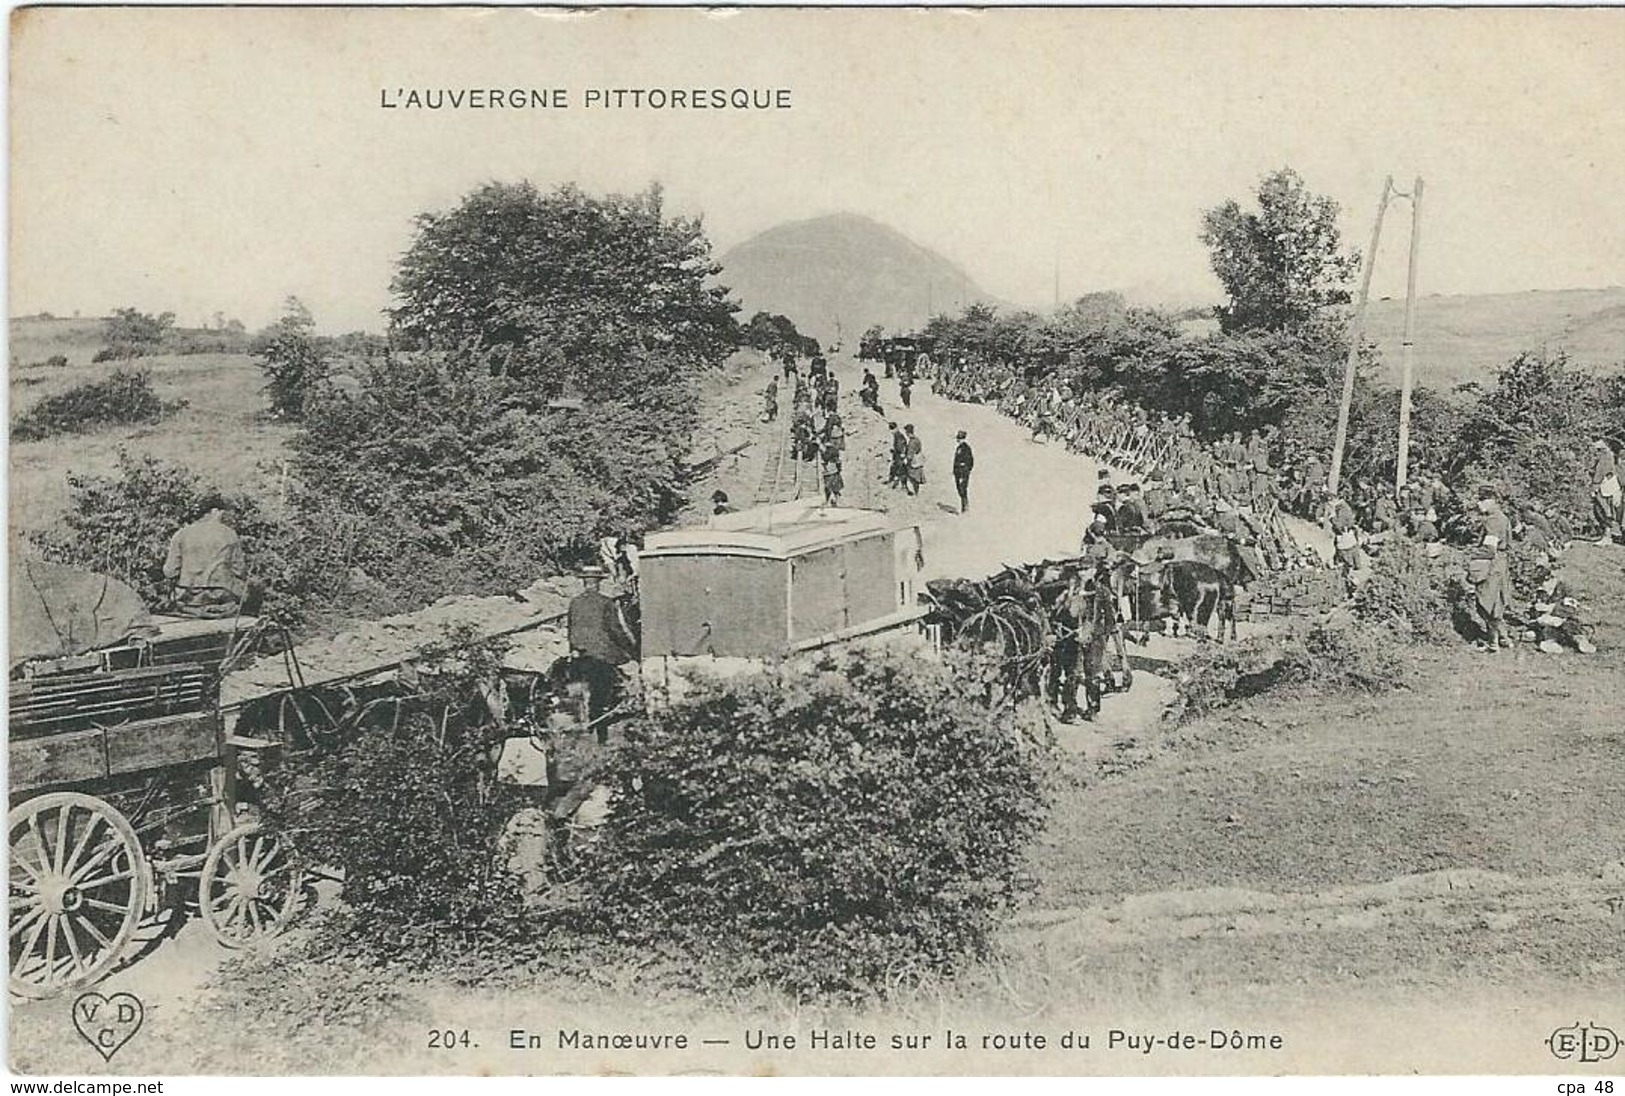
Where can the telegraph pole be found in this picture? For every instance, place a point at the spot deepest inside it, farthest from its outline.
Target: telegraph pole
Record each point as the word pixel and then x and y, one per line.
pixel 1402 469
pixel 1355 326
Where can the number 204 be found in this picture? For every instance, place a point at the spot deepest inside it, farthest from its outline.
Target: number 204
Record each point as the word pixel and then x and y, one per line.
pixel 448 1039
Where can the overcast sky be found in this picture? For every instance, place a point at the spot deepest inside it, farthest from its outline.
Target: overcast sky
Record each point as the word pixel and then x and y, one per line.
pixel 216 161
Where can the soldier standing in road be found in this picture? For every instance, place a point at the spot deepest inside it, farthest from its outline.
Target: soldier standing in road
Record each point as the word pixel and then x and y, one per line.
pixel 964 461
pixel 899 456
pixel 834 484
pixel 916 460
pixel 1607 497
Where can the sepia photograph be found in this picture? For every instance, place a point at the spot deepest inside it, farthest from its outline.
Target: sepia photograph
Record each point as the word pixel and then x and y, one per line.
pixel 1074 542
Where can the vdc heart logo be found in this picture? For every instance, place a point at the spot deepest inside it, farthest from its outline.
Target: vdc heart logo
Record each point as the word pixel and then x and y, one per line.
pixel 107 1023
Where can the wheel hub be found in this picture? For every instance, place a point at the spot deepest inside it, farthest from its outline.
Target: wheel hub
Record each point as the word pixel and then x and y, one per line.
pixel 60 896
pixel 250 884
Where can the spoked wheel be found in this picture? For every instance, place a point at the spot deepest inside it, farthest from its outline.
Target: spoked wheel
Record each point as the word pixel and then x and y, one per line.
pixel 79 887
pixel 250 885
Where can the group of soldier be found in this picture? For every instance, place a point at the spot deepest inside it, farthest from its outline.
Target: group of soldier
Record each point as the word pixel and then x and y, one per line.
pixel 817 431
pixel 1241 485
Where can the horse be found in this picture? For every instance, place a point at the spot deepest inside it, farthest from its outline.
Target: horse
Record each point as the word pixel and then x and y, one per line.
pixel 1187 585
pixel 1083 621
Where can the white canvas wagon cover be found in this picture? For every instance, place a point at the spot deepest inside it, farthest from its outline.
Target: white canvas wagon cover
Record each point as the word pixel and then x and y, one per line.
pixel 774 579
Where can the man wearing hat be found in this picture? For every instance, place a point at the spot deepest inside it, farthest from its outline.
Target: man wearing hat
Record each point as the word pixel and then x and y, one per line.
pixel 720 503
pixel 1130 511
pixel 600 640
pixel 1105 504
pixel 964 461
pixel 1155 499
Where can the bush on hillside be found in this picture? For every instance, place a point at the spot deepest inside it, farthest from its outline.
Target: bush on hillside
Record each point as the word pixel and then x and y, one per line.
pixel 124 398
pixel 460 480
pixel 832 828
pixel 1532 433
pixel 1329 657
pixel 293 360
pixel 1407 594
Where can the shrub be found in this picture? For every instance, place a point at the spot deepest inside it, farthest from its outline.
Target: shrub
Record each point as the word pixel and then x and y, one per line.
pixel 461 480
pixel 407 808
pixel 1406 593
pixel 124 398
pixel 830 827
pixel 1335 657
pixel 293 360
pixel 1532 434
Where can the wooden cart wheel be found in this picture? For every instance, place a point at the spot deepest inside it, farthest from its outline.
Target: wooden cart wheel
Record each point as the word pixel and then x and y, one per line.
pixel 250 884
pixel 79 888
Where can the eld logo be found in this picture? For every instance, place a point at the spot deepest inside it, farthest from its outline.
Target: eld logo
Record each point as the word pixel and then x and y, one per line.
pixel 1583 1043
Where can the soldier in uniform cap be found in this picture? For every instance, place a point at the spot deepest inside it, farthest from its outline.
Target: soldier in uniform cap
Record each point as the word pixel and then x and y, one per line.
pixel 964 461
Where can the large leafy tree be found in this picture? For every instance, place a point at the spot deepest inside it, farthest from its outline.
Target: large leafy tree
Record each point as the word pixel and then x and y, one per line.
pixel 607 295
pixel 458 464
pixel 1281 264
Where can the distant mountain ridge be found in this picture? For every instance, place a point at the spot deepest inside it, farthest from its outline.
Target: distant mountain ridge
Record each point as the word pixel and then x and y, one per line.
pixel 845 272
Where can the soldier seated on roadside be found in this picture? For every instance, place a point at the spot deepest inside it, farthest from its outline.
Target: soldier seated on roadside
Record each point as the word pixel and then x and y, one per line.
pixel 1536 529
pixel 1095 546
pixel 1554 618
pixel 206 563
pixel 1130 510
pixel 1155 499
pixel 1105 504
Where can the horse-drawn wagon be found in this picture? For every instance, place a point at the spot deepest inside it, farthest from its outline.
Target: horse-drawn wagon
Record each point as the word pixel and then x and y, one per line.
pixel 125 797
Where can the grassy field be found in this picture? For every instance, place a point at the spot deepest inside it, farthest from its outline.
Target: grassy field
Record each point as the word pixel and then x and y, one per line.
pixel 221 433
pixel 1467 338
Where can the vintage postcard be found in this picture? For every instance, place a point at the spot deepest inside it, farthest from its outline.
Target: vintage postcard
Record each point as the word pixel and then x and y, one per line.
pixel 816 542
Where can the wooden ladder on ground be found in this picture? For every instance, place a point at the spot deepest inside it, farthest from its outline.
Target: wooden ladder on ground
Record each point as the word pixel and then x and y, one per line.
pixel 784 475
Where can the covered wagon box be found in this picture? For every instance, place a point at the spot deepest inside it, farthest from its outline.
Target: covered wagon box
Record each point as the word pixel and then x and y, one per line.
pixel 776 579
